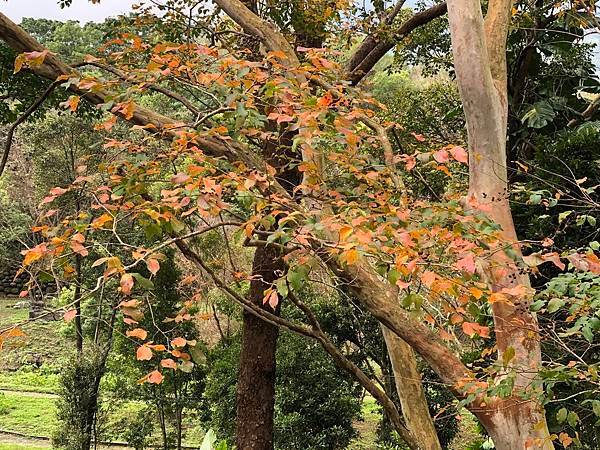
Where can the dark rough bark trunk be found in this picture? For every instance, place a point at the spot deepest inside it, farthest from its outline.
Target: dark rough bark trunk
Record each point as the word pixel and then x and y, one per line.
pixel 256 378
pixel 77 296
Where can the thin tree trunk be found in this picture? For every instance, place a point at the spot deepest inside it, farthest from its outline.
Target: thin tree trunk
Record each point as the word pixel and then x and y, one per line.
pixel 256 378
pixel 77 296
pixel 410 391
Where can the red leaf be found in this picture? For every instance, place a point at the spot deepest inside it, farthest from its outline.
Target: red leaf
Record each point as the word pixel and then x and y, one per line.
pixel 441 156
pixel 459 154
pixel 180 178
pixel 418 137
pixel 153 266
pixel 466 264
pixel 70 315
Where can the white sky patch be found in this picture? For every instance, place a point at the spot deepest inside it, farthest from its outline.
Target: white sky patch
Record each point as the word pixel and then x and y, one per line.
pixel 81 10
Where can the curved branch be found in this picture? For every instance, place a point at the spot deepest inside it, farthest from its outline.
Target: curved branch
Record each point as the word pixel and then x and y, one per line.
pixel 375 50
pixel 151 86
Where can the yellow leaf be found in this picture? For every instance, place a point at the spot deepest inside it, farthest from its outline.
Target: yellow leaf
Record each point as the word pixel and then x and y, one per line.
pixel 351 256
pixel 345 232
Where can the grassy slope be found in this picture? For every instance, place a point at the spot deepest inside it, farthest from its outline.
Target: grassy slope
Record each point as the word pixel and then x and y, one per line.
pixel 34 416
pixel 43 345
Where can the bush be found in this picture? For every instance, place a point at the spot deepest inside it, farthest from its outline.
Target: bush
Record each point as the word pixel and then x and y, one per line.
pixel 315 402
pixel 78 403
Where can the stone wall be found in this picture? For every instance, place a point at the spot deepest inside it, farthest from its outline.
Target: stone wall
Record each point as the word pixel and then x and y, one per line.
pixel 9 285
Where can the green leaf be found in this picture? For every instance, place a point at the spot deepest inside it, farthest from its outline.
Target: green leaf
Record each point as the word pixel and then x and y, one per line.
pixel 596 407
pixel 540 115
pixel 282 287
pixel 209 440
pixel 561 415
pixel 144 283
pixel 393 276
pixel 177 225
pixel 572 418
pixel 555 304
pixel 535 199
pixel 563 215
pixel 414 300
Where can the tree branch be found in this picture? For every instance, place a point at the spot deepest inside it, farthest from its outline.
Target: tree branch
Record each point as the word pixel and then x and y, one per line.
pixel 373 50
pixel 151 86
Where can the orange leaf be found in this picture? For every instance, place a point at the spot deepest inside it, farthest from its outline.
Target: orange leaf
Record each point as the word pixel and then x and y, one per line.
pixel 476 292
pixel 72 103
pixel 126 283
pixel 168 363
pixel 139 333
pixel 345 232
pixel 155 377
pixel 350 256
pixel 144 353
pixel 471 329
pixel 178 342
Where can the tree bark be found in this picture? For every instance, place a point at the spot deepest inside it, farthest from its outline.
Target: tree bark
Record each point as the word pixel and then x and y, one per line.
pixel 256 378
pixel 410 391
pixel 479 49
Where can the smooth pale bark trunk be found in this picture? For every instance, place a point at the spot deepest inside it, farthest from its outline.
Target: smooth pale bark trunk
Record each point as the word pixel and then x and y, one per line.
pixel 410 391
pixel 479 50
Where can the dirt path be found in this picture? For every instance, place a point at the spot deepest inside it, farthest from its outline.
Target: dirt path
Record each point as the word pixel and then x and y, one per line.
pixel 8 437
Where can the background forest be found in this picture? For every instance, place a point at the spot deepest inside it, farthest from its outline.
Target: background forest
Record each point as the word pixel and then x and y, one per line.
pixel 156 291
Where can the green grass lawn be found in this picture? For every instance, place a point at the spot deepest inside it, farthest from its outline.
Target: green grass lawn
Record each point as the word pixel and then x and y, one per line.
pixel 29 381
pixel 34 416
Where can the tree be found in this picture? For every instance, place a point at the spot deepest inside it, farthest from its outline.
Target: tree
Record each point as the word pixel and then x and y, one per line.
pixel 479 49
pixel 347 243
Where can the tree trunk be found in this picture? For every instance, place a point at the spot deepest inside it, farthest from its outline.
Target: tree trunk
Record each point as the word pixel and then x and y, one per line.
pixel 479 50
pixel 77 296
pixel 410 391
pixel 256 378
